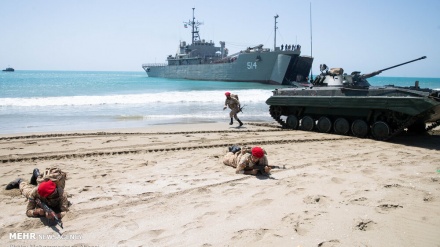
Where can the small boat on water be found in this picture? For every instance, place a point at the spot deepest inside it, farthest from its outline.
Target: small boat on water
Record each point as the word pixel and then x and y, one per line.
pixel 9 69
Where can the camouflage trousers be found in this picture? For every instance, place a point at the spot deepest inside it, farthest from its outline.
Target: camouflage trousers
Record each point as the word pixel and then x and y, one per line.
pixel 230 159
pixel 26 189
pixel 233 113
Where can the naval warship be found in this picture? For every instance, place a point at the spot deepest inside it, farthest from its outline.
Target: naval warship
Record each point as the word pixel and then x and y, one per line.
pixel 202 60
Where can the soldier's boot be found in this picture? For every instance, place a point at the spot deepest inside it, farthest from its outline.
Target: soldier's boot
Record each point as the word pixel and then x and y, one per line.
pixel 34 177
pixel 241 123
pixel 232 121
pixel 14 184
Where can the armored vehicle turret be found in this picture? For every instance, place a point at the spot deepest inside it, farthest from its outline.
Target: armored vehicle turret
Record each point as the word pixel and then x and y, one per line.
pixel 345 104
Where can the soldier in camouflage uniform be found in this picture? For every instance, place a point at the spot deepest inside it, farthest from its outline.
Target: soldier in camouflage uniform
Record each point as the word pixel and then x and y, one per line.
pixel 234 105
pixel 48 187
pixel 248 161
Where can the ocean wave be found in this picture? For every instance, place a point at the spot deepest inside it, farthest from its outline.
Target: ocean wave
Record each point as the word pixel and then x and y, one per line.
pixel 253 95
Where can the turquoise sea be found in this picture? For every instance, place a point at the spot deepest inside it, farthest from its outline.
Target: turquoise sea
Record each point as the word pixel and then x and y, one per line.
pixel 49 101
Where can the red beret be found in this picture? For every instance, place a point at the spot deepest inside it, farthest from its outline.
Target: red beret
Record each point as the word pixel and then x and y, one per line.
pixel 46 188
pixel 257 152
pixel 227 93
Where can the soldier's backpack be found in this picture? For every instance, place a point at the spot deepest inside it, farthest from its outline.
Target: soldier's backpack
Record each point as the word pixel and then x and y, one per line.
pixel 235 96
pixel 55 174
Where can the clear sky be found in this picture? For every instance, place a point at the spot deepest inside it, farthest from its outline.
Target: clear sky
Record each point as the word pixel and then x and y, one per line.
pixel 116 35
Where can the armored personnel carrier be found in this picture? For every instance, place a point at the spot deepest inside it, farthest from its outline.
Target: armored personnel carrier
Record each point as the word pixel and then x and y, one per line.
pixel 348 105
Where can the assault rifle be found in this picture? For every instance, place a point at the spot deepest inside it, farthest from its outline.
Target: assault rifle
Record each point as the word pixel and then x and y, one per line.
pixel 241 108
pixel 49 211
pixel 263 172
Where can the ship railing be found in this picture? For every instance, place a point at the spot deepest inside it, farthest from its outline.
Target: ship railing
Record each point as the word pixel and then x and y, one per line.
pixel 154 65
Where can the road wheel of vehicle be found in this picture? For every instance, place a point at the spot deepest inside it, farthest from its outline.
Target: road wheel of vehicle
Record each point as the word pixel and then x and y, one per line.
pixel 359 128
pixel 292 122
pixel 276 111
pixel 307 123
pixel 324 124
pixel 380 130
pixel 341 126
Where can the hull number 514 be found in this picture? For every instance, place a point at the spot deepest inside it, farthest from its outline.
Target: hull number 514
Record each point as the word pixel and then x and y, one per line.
pixel 251 65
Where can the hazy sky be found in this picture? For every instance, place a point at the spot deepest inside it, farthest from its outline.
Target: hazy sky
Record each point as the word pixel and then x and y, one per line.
pixel 117 35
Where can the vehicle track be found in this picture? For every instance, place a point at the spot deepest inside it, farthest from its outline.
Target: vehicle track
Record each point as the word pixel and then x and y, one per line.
pixel 149 147
pixel 93 134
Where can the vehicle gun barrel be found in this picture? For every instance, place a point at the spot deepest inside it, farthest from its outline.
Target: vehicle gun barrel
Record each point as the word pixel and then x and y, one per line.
pixel 380 71
pixel 420 58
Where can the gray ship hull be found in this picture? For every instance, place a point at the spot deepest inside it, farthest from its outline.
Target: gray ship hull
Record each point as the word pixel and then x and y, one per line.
pixel 279 67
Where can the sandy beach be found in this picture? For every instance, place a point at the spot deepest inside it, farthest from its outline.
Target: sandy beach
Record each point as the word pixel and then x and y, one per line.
pixel 167 186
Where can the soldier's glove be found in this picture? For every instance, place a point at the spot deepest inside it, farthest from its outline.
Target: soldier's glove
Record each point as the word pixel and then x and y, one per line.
pixel 39 212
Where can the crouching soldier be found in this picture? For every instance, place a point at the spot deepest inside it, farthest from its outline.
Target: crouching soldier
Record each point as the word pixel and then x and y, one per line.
pixel 248 161
pixel 45 191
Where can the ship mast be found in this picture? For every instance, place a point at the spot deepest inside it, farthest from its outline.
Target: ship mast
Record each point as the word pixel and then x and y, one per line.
pixel 311 43
pixel 275 36
pixel 195 28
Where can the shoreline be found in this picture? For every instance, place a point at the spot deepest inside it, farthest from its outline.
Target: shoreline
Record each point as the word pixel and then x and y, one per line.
pixel 126 125
pixel 166 185
pixel 168 126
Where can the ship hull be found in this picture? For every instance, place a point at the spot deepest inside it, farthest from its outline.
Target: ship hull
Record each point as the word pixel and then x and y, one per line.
pixel 265 67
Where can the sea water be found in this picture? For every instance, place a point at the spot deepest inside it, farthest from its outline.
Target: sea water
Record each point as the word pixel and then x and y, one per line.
pixel 43 101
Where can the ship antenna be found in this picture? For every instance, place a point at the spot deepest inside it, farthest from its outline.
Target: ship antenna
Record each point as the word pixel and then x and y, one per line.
pixel 311 43
pixel 193 22
pixel 275 36
pixel 195 28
